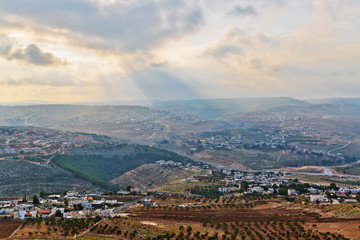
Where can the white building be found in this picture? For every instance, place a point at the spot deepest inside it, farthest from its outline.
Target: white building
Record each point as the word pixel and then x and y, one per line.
pixel 258 190
pixel 313 190
pixel 292 192
pixel 318 198
pixel 351 201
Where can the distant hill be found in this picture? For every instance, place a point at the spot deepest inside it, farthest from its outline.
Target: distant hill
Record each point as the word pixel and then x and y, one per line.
pixel 349 108
pixel 217 108
pixel 137 123
pixel 343 101
pixel 63 115
pixel 166 119
pixel 318 110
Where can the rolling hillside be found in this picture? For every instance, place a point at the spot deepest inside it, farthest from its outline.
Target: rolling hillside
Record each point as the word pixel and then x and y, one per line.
pixel 101 163
pixel 132 123
pixel 149 176
pixel 217 108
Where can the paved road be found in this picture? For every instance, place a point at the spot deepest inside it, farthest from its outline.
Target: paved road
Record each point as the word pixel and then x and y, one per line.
pixel 333 174
pixel 335 149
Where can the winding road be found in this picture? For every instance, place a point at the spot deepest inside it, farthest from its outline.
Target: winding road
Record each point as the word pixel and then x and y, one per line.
pixel 335 149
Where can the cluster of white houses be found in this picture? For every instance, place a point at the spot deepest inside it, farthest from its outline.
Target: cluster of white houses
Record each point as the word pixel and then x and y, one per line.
pixel 71 206
pixel 348 195
pixel 262 183
pixel 257 182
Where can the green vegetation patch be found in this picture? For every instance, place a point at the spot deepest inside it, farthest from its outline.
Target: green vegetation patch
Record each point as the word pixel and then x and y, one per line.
pixel 209 191
pixel 351 170
pixel 100 163
pixel 300 139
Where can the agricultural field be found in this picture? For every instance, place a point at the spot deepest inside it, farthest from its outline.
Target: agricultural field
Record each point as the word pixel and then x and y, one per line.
pixel 54 228
pixel 237 217
pixel 7 227
pixel 252 217
pixel 181 217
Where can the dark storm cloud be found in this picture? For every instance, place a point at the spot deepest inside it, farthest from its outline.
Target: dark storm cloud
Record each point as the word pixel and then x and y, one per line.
pixel 125 25
pixel 31 54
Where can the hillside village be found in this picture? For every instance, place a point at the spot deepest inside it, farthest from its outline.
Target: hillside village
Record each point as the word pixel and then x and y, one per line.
pixel 75 205
pixel 291 140
pixel 26 141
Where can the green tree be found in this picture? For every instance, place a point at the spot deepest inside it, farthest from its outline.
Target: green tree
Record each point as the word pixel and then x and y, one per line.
pixel 58 213
pixel 42 194
pixel 189 229
pixel 333 186
pixel 24 198
pixel 78 207
pixel 36 200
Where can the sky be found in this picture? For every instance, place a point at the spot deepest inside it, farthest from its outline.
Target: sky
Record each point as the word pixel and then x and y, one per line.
pixel 66 51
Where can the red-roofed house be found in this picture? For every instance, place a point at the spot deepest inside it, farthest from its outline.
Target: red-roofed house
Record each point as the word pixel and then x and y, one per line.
pixel 45 213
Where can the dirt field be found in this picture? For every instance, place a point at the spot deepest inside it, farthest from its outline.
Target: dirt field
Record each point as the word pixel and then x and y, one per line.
pixel 53 229
pixel 222 215
pixel 274 212
pixel 348 228
pixel 7 227
pixel 229 218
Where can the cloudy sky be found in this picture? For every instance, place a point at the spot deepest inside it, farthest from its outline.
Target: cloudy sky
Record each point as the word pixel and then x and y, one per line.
pixel 105 50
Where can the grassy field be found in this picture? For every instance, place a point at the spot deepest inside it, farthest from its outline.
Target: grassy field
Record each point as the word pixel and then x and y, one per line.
pixel 300 139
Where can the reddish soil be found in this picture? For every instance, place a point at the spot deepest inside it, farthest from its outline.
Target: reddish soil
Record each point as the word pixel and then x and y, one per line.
pixel 349 228
pixel 7 227
pixel 221 215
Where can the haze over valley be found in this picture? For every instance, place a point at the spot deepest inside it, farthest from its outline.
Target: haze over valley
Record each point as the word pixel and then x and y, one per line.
pixel 180 119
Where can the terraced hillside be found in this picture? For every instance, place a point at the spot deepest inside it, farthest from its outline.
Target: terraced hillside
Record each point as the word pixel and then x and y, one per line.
pixel 19 177
pixel 150 176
